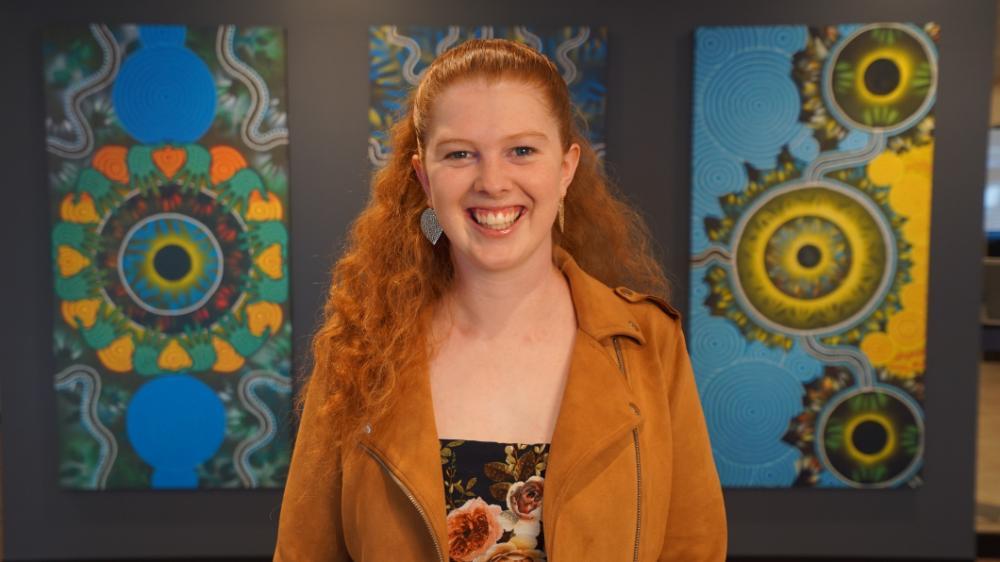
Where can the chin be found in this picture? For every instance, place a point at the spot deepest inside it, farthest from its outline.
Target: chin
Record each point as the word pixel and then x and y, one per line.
pixel 505 258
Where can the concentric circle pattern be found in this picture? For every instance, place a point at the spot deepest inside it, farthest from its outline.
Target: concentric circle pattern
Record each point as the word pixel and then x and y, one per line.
pixel 177 261
pixel 165 94
pixel 752 106
pixel 748 411
pixel 717 343
pixel 808 257
pixel 881 78
pixel 811 258
pixel 871 438
pixel 170 264
pixel 812 164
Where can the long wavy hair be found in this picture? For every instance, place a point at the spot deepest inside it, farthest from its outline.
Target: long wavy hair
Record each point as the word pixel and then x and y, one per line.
pixel 389 278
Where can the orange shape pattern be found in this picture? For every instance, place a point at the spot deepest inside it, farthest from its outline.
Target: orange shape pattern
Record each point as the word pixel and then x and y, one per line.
pixel 269 261
pixel 264 208
pixel 226 161
pixel 262 315
pixel 112 162
pixel 169 160
pixel 80 211
pixel 81 313
pixel 173 357
pixel 118 356
pixel 227 359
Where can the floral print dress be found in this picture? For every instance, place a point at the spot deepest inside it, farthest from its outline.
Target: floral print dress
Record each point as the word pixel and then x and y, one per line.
pixel 493 492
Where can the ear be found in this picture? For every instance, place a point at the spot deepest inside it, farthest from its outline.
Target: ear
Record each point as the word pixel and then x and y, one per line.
pixel 418 168
pixel 570 161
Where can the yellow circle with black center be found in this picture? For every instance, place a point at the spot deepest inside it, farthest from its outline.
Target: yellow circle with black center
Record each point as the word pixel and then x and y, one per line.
pixel 881 77
pixel 844 273
pixel 183 247
pixel 807 257
pixel 870 438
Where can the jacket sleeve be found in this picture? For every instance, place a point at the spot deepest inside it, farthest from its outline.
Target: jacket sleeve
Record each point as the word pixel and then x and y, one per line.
pixel 309 527
pixel 696 528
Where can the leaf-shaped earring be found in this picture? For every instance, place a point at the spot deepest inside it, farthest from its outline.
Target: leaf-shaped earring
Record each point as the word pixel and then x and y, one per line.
pixel 562 216
pixel 430 226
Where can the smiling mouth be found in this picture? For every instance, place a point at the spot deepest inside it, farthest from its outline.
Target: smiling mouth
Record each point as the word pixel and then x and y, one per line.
pixel 496 219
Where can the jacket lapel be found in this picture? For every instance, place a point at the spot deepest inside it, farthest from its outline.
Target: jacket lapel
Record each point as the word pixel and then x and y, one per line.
pixel 406 440
pixel 597 407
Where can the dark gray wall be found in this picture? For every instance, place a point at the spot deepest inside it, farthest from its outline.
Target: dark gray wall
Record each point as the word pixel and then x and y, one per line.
pixel 648 138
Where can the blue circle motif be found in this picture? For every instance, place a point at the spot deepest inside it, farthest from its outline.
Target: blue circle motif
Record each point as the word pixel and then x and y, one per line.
pixel 162 293
pixel 175 423
pixel 748 408
pixel 165 94
pixel 751 106
pixel 715 343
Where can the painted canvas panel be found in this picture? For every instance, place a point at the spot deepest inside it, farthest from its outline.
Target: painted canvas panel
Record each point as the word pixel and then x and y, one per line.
pixel 812 165
pixel 168 172
pixel 400 54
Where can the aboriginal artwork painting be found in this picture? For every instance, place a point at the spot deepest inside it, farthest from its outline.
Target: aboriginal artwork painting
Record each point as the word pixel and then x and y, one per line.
pixel 400 54
pixel 168 173
pixel 813 154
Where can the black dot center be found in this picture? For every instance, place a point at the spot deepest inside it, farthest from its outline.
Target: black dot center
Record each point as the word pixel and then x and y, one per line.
pixel 808 255
pixel 882 77
pixel 172 262
pixel 870 437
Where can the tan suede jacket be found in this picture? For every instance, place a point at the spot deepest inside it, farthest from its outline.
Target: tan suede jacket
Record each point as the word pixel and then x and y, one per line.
pixel 630 475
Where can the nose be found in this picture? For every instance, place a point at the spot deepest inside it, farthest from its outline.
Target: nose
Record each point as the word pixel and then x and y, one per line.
pixel 492 178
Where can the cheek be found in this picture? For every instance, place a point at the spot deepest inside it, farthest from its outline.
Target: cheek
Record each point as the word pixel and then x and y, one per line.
pixel 445 185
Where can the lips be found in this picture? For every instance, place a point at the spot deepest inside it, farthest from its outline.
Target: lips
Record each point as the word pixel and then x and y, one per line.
pixel 496 219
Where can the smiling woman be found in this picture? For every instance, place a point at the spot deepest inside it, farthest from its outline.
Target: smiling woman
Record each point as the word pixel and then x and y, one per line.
pixel 479 392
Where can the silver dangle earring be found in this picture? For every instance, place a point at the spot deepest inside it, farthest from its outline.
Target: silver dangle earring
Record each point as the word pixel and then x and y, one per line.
pixel 430 226
pixel 562 216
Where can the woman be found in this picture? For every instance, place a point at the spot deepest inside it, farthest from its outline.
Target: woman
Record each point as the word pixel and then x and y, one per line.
pixel 479 393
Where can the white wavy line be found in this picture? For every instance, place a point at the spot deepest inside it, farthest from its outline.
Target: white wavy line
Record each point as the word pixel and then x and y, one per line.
pixel 831 161
pixel 534 41
pixel 570 72
pixel 376 154
pixel 713 254
pixel 448 40
pixel 259 94
pixel 266 419
pixel 74 96
pixel 844 355
pixel 413 48
pixel 90 392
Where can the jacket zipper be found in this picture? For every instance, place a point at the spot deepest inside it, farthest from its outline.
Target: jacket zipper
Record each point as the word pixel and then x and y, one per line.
pixel 412 498
pixel 638 464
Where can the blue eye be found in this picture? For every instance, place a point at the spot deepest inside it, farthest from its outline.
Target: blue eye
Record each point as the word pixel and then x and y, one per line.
pixel 523 151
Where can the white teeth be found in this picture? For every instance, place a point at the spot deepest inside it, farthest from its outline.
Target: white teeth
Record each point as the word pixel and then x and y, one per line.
pixel 496 221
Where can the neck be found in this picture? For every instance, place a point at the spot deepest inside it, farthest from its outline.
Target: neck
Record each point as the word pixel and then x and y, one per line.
pixel 489 303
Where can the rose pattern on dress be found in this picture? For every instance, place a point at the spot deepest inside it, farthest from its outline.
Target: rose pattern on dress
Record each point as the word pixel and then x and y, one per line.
pixel 473 529
pixel 517 483
pixel 525 498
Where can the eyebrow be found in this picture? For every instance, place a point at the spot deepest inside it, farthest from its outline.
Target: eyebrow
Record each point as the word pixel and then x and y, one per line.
pixel 507 138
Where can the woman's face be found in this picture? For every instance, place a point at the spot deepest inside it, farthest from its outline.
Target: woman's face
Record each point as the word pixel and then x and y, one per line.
pixel 494 170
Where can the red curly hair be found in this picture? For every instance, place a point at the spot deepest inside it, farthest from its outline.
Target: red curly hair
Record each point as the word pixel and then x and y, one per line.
pixel 390 278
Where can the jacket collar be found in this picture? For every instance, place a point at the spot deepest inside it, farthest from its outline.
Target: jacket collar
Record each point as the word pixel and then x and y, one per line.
pixel 600 312
pixel 597 406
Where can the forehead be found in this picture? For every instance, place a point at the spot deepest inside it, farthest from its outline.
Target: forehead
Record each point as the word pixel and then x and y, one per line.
pixel 481 109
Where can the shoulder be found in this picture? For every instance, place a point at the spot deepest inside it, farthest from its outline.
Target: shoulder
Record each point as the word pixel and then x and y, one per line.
pixel 635 297
pixel 657 319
